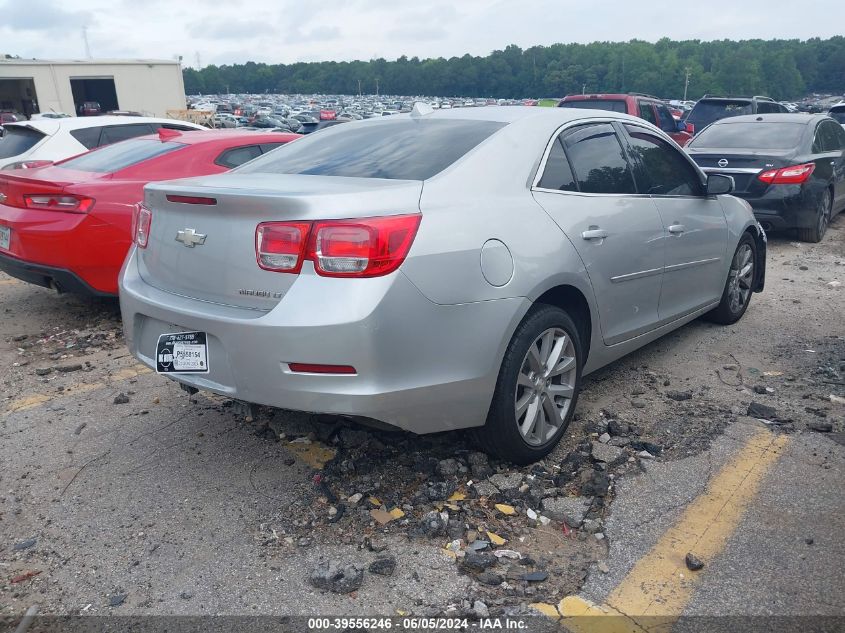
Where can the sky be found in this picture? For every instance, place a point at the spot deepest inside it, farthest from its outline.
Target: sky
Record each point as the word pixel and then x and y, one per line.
pixel 285 31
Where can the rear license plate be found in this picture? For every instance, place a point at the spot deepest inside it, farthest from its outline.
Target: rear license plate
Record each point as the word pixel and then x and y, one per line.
pixel 182 353
pixel 5 237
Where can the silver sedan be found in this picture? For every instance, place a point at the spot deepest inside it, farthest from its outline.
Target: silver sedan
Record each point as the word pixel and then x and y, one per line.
pixel 437 270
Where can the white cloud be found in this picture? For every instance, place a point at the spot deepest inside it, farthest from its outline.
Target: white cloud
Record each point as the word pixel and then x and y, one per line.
pixel 290 30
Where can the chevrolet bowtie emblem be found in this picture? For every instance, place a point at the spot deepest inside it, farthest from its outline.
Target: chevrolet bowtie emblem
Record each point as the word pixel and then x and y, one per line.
pixel 190 238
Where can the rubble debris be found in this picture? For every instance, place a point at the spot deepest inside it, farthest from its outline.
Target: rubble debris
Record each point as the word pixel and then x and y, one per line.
pixel 121 398
pixel 25 544
pixel 336 577
pixel 24 576
pixel 569 509
pixel 477 561
pixel 117 599
pixel 607 453
pixel 679 396
pixel 383 566
pixel 693 562
pixel 762 411
pixel 490 578
pixel 820 427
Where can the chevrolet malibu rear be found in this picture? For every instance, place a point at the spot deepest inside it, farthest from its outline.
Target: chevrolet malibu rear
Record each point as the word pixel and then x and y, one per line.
pixel 289 289
pixel 438 270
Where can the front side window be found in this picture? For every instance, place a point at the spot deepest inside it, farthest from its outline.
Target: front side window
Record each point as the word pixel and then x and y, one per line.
pixel 557 174
pixel 666 120
pixel 663 170
pixel 112 158
pixel 598 162
pixel 403 149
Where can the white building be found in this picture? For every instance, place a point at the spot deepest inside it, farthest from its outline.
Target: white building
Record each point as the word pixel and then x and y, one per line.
pixel 149 86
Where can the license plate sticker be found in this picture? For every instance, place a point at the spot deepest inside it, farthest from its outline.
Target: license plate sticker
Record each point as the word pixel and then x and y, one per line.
pixel 5 237
pixel 182 353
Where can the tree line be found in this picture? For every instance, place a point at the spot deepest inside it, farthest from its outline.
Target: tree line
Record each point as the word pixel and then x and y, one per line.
pixel 782 69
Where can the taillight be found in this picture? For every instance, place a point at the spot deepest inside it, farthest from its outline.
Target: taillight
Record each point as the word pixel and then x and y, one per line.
pixel 794 175
pixel 28 164
pixel 58 202
pixel 280 246
pixel 142 219
pixel 368 247
pixel 362 248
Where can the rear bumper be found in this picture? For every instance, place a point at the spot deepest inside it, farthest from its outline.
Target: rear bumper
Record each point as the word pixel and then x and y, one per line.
pixel 784 207
pixel 421 366
pixel 48 277
pixel 80 252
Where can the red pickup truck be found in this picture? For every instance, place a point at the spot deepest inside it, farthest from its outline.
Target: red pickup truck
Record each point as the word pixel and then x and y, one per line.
pixel 643 106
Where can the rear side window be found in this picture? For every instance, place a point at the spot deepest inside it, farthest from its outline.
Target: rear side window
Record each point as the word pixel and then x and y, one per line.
pixel 663 170
pixel 404 149
pixel 598 161
pixel 767 107
pixel 647 112
pixel 88 136
pixel 613 105
pixel 117 133
pixel 827 139
pixel 238 156
pixel 269 147
pixel 18 140
pixel 557 174
pixel 112 158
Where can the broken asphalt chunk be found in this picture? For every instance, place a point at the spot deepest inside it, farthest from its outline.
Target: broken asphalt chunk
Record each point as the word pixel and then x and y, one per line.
pixel 693 562
pixel 336 577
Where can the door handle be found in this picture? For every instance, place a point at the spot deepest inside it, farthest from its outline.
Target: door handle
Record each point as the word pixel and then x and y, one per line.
pixel 594 233
pixel 677 229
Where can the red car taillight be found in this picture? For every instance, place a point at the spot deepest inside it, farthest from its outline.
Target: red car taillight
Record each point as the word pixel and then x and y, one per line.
pixel 142 219
pixel 368 247
pixel 794 175
pixel 279 246
pixel 58 202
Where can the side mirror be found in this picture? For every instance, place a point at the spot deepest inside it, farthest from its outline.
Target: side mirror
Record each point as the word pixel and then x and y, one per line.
pixel 689 127
pixel 719 184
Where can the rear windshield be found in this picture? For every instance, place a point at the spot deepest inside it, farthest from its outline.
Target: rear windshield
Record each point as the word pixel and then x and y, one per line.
pixel 706 112
pixel 407 149
pixel 613 105
pixel 112 158
pixel 751 135
pixel 18 140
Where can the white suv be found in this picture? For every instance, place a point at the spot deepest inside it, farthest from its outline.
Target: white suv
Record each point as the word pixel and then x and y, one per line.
pixel 35 143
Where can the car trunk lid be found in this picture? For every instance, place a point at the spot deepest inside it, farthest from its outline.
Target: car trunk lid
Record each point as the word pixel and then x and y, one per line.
pixel 742 165
pixel 215 260
pixel 16 183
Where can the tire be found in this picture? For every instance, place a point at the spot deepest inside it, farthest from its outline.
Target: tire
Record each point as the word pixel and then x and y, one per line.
pixel 547 333
pixel 739 286
pixel 823 213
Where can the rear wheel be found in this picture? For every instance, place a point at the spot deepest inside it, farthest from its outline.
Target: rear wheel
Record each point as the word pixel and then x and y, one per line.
pixel 537 388
pixel 823 209
pixel 740 284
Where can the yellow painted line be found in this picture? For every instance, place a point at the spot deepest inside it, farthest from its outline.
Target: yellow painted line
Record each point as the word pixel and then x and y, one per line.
pixel 32 401
pixel 9 282
pixel 659 585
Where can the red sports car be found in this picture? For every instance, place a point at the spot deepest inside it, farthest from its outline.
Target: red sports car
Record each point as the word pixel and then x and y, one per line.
pixel 68 226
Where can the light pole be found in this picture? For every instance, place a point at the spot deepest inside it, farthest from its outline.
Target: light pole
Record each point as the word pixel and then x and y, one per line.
pixel 686 82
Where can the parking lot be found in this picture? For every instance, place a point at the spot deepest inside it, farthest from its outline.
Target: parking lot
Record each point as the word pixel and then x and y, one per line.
pixel 122 494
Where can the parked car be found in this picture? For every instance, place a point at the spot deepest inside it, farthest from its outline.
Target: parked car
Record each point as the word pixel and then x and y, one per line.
pixel 90 108
pixel 643 106
pixel 30 144
pixel 789 168
pixel 837 113
pixel 437 271
pixel 711 108
pixel 68 226
pixel 6 117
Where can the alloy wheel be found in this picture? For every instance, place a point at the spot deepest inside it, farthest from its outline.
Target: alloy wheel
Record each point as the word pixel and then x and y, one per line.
pixel 545 386
pixel 741 277
pixel 824 213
